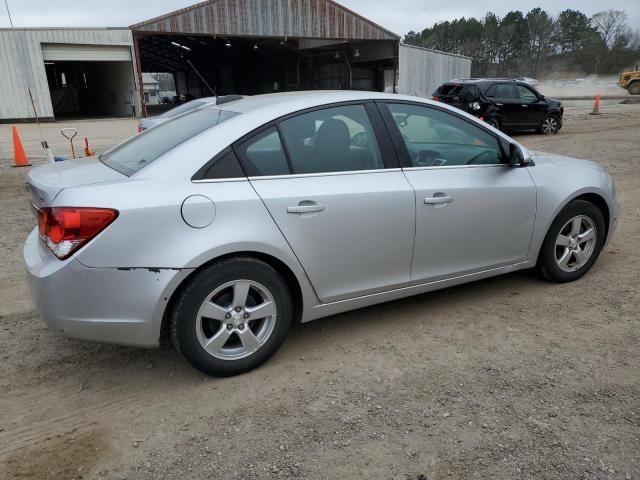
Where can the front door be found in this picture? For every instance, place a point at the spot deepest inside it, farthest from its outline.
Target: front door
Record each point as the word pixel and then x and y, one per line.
pixel 347 216
pixel 473 212
pixel 533 107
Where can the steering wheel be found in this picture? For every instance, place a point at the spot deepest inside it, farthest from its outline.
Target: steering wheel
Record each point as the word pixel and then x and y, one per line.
pixel 476 159
pixel 360 139
pixel 429 158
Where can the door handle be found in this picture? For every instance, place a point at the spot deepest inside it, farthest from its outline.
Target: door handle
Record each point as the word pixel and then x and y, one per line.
pixel 438 200
pixel 305 208
pixel 524 106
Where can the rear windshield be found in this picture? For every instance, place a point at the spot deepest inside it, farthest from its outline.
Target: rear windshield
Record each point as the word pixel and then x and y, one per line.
pixel 144 148
pixel 185 107
pixel 458 90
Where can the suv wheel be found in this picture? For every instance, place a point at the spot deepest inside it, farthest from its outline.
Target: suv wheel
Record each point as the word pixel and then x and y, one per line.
pixel 550 125
pixel 573 242
pixel 493 122
pixel 232 317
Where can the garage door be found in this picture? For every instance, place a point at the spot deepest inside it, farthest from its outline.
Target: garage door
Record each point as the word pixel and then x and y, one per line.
pixel 82 53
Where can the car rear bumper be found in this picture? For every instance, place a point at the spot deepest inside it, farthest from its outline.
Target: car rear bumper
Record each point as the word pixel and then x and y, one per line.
pixel 110 305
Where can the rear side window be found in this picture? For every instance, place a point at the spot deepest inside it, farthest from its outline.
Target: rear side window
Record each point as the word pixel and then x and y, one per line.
pixel 335 139
pixel 465 91
pixel 139 151
pixel 502 90
pixel 225 165
pixel 264 154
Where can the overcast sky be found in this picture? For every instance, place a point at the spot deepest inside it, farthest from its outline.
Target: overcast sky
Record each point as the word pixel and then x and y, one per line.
pixel 399 16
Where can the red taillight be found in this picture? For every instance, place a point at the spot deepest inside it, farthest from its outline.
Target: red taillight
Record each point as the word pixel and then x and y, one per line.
pixel 436 99
pixel 66 229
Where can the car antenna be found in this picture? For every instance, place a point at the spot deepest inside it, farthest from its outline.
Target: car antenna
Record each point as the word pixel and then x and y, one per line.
pixel 203 80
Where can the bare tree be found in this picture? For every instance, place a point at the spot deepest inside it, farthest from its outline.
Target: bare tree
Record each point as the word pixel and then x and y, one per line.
pixel 611 24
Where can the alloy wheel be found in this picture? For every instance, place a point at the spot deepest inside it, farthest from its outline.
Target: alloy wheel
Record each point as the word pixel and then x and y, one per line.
pixel 575 243
pixel 550 125
pixel 236 319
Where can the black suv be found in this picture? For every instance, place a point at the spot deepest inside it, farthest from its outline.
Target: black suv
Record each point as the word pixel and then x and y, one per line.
pixel 508 105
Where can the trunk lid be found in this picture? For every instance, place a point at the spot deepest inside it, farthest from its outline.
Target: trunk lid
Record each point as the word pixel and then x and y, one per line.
pixel 44 183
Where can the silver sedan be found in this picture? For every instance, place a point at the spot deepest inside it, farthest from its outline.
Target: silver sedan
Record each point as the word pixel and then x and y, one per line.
pixel 232 222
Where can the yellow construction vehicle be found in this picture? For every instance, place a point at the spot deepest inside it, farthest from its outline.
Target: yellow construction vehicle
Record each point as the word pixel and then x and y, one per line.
pixel 630 81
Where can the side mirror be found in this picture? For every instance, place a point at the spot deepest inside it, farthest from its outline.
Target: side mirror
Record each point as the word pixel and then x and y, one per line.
pixel 517 157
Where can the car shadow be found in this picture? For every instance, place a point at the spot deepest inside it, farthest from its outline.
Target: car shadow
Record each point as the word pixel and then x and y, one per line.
pixel 137 369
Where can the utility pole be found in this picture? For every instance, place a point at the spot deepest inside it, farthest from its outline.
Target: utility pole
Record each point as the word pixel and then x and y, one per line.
pixel 6 4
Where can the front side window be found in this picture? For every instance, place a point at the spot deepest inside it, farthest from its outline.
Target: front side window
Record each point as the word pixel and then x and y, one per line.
pixel 435 138
pixel 336 139
pixel 526 94
pixel 139 151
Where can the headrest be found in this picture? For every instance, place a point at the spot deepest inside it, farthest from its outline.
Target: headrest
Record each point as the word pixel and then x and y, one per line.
pixel 333 137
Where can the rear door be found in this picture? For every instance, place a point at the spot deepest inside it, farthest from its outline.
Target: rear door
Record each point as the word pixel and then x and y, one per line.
pixel 506 99
pixel 330 179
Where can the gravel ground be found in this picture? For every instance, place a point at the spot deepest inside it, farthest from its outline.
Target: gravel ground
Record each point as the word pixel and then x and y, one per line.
pixel 506 378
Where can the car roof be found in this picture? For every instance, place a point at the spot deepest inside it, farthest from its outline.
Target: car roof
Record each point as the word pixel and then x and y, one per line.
pixel 295 101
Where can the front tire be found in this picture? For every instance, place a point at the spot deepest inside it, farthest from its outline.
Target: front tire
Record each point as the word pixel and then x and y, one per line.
pixel 550 125
pixel 231 317
pixel 573 242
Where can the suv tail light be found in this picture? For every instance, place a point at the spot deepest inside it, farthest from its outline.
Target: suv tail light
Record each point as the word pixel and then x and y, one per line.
pixel 66 229
pixel 436 99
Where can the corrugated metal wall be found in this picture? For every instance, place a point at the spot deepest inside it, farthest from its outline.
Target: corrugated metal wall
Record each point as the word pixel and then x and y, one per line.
pixel 269 18
pixel 22 65
pixel 421 70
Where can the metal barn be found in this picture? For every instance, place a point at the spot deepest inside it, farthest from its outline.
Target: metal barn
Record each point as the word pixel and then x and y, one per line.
pixel 262 46
pixel 423 70
pixel 224 46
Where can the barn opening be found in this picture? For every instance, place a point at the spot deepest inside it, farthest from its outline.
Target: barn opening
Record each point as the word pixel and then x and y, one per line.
pixel 250 47
pixel 90 80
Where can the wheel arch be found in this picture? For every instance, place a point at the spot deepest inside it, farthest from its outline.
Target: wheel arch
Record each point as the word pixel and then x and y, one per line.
pixel 591 197
pixel 599 202
pixel 290 278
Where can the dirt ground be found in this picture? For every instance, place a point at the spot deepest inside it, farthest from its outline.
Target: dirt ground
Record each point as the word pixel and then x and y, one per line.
pixel 509 378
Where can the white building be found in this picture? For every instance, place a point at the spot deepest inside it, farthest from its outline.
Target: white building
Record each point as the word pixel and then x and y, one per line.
pixel 68 72
pixel 151 89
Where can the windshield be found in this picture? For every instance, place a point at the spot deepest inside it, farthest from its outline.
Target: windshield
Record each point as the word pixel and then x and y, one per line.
pixel 185 107
pixel 139 151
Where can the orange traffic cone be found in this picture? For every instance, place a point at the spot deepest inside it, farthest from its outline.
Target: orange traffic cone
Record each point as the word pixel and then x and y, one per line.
pixel 596 106
pixel 19 157
pixel 87 151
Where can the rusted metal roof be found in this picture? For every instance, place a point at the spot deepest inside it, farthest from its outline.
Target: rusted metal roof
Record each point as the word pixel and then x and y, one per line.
pixel 268 18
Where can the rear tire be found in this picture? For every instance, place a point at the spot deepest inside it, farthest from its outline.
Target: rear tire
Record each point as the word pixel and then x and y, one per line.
pixel 634 88
pixel 493 122
pixel 569 249
pixel 231 317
